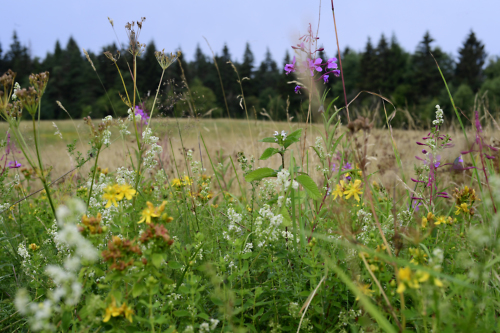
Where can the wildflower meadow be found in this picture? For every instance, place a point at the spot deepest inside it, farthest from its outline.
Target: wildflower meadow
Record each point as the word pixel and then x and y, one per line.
pixel 307 231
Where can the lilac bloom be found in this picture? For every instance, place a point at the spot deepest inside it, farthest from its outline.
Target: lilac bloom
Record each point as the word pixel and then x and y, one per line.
pixel 332 63
pixel 290 67
pixel 460 159
pixel 14 165
pixel 297 89
pixel 424 151
pixel 336 73
pixel 325 78
pixel 416 205
pixel 144 116
pixel 314 65
pixel 438 161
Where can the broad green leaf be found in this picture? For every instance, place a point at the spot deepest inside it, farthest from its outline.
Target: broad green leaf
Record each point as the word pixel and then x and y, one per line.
pixel 259 174
pixel 287 220
pixel 138 289
pixel 292 138
pixel 157 259
pixel 181 313
pixel 174 265
pixel 310 186
pixel 268 153
pixel 270 140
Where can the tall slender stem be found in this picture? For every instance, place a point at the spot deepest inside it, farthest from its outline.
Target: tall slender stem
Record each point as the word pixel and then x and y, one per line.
pixel 340 62
pixel 93 177
pixel 42 175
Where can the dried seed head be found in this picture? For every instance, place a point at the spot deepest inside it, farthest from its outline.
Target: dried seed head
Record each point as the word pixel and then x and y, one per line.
pixel 7 79
pixel 88 58
pixel 39 82
pixel 165 60
pixel 111 22
pixel 109 55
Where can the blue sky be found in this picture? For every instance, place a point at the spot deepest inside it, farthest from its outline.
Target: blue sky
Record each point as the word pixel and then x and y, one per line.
pixel 273 24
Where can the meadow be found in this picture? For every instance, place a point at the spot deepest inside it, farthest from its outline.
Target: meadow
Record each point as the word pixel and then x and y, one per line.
pixel 156 224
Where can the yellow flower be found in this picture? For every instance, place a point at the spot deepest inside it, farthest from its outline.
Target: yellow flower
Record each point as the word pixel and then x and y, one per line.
pixel 430 216
pixel 353 190
pixel 112 310
pixel 438 283
pixel 33 247
pixel 111 194
pixel 339 191
pixel 176 182
pixel 404 274
pixel 365 289
pixel 249 208
pixel 126 191
pixel 463 207
pixel 148 213
pixel 422 276
pixel 186 181
pixel 105 171
pixel 440 220
pixel 419 256
pixel 424 222
pixel 128 312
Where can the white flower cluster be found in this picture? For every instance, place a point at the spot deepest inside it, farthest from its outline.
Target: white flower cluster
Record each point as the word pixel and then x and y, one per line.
pixel 123 126
pixel 364 216
pixel 267 232
pixel 16 88
pixel 207 327
pixel 277 134
pixel 106 134
pixel 319 147
pixel 125 176
pixel 150 160
pixel 148 138
pixel 439 116
pixel 234 220
pixel 68 288
pixel 283 182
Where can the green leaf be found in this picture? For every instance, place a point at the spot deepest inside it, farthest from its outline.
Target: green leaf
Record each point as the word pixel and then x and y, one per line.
pixel 310 186
pixel 157 259
pixel 259 174
pixel 66 320
pixel 292 138
pixel 287 220
pixel 181 313
pixel 268 153
pixel 174 265
pixel 270 140
pixel 138 289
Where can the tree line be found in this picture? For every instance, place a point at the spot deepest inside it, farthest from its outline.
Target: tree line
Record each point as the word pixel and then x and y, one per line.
pixel 410 80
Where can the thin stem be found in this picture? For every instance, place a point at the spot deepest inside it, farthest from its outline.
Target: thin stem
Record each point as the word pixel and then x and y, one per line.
pixel 340 62
pixel 42 176
pixel 93 176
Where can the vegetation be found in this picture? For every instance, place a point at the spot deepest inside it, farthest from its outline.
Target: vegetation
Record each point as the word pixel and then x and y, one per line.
pixel 315 242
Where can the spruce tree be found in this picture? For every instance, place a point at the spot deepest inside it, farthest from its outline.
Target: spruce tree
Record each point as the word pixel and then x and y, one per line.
pixel 368 68
pixel 471 57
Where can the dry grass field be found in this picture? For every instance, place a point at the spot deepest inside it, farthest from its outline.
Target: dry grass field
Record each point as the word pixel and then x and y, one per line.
pixel 230 137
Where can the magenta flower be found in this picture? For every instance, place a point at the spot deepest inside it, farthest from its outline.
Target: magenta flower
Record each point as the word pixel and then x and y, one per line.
pixel 336 72
pixel 290 67
pixel 314 65
pixel 14 165
pixel 325 78
pixel 332 63
pixel 438 161
pixel 297 89
pixel 144 115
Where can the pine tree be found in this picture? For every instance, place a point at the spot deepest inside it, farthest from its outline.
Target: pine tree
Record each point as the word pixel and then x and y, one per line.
pixel 18 60
pixel 472 57
pixel 368 65
pixel 199 65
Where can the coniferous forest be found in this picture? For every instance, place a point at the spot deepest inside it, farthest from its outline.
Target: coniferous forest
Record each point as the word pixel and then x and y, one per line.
pixel 409 79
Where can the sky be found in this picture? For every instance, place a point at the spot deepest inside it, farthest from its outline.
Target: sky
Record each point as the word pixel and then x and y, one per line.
pixel 273 24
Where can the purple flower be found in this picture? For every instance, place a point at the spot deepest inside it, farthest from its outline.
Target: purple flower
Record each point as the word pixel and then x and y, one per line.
pixel 299 46
pixel 314 65
pixel 140 112
pixel 14 165
pixel 416 205
pixel 438 161
pixel 290 67
pixel 336 72
pixel 332 63
pixel 297 89
pixel 460 159
pixel 325 78
pixel 424 151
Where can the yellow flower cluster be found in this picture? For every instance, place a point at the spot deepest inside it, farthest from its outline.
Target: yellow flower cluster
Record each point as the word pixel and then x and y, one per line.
pixel 113 311
pixel 438 220
pixel 152 211
pixel 33 247
pixel 117 193
pixel 407 278
pixel 352 189
pixel 182 182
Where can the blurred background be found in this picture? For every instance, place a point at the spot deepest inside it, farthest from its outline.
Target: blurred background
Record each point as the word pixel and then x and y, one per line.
pixel 385 48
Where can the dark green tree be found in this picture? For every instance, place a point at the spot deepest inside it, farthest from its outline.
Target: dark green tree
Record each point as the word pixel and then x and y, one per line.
pixel 368 68
pixel 18 59
pixel 471 59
